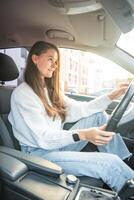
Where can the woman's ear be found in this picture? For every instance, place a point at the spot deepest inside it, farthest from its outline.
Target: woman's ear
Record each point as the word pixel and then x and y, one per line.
pixel 34 58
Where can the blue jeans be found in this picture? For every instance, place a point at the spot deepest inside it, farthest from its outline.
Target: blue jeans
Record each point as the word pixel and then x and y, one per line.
pixel 106 164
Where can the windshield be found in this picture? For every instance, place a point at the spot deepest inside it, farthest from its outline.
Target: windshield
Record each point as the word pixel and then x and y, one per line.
pixel 126 42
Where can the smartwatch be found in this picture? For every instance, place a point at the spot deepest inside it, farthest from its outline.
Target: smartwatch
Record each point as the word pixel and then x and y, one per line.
pixel 75 136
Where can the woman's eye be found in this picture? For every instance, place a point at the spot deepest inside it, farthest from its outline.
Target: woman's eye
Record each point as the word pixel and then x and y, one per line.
pixel 52 62
pixel 50 59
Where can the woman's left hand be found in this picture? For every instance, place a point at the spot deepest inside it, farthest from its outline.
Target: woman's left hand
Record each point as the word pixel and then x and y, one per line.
pixel 116 93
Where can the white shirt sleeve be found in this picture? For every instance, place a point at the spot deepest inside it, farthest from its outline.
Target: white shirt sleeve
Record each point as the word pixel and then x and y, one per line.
pixel 78 109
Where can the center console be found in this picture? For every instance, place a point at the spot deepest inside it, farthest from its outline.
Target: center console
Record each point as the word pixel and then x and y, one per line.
pixel 25 177
pixel 32 186
pixel 21 183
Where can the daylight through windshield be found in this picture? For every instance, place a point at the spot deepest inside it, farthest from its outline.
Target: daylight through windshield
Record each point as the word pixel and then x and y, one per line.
pixel 126 41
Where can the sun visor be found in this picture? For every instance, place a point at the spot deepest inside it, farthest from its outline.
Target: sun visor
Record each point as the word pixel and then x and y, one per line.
pixel 121 12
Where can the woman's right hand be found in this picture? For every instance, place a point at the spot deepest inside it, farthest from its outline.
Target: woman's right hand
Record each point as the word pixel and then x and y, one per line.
pixel 97 136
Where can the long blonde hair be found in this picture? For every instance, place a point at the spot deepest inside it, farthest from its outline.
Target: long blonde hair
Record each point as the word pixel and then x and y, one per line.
pixel 33 79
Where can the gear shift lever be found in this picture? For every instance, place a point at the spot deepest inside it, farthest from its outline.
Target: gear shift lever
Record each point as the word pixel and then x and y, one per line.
pixel 127 190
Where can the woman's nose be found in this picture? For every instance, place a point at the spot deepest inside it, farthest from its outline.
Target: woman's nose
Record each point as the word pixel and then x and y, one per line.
pixel 53 65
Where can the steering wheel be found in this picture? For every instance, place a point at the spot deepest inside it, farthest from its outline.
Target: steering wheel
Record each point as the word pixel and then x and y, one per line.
pixel 120 109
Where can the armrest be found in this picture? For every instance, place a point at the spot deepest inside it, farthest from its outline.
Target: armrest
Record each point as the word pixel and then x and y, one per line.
pixel 13 170
pixel 34 163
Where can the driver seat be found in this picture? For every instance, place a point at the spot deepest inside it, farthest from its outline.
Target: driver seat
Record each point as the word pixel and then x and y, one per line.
pixel 8 72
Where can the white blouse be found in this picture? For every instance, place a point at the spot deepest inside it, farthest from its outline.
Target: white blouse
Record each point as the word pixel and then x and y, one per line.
pixel 33 127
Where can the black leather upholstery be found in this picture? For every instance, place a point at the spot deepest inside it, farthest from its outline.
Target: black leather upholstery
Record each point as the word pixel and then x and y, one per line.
pixel 8 71
pixel 8 68
pixel 12 171
pixel 34 163
pixel 6 134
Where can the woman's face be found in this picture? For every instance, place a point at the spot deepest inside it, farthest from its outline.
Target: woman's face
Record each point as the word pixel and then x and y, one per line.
pixel 46 63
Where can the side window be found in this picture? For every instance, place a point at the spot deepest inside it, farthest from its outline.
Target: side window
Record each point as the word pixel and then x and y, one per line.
pixel 19 56
pixel 85 73
pixel 82 72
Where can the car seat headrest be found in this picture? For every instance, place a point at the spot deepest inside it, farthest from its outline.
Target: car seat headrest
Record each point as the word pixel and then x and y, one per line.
pixel 8 68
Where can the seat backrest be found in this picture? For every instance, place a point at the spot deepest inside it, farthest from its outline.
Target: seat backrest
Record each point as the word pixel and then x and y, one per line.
pixel 8 72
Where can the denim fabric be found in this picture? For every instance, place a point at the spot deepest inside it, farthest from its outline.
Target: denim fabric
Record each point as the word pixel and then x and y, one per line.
pixel 107 166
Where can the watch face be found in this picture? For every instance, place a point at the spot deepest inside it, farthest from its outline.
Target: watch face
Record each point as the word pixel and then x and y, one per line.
pixel 76 137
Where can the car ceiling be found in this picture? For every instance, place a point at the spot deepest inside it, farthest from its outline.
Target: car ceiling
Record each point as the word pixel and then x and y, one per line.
pixel 25 21
pixel 31 20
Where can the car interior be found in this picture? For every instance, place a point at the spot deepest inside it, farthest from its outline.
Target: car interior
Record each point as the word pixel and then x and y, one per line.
pixel 89 25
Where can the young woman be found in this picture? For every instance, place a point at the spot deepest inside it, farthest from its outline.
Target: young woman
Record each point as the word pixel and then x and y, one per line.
pixel 39 110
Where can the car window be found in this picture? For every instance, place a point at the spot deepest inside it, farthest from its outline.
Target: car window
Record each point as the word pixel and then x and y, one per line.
pixel 82 72
pixel 125 42
pixel 85 73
